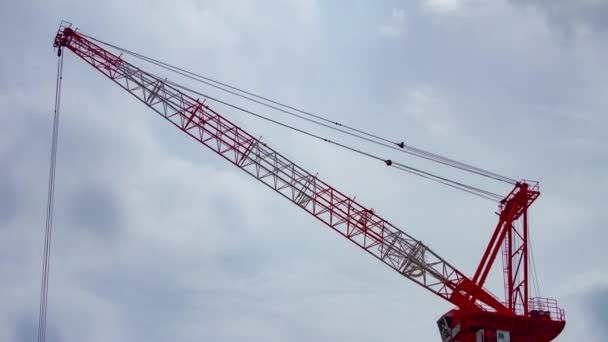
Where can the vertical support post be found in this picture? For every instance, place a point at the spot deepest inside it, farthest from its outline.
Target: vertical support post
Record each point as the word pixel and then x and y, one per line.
pixel 525 261
pixel 509 274
pixel 512 239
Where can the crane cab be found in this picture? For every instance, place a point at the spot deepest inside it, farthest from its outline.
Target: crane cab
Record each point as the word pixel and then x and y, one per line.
pixel 451 332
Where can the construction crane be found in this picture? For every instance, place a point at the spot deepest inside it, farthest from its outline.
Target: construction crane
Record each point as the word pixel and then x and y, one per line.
pixel 478 316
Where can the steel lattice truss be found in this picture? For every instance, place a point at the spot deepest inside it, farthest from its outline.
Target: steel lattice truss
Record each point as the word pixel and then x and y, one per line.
pixel 362 226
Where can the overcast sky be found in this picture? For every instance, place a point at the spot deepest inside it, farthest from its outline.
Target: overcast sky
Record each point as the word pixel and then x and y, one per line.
pixel 158 239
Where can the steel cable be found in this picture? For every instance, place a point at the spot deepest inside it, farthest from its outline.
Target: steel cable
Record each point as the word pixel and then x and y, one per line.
pixel 399 166
pixel 360 134
pixel 49 209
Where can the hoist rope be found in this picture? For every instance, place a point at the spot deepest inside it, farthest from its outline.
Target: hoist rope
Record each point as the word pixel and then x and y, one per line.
pixel 44 290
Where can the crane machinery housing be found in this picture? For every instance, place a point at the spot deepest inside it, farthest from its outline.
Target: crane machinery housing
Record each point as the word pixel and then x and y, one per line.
pixel 478 316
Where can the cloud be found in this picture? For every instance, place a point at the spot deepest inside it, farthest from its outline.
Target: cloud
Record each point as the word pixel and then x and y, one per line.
pixel 96 209
pixel 157 239
pixel 11 203
pixel 395 25
pixel 424 107
pixel 446 7
pixel 597 306
pixel 27 327
pixel 572 16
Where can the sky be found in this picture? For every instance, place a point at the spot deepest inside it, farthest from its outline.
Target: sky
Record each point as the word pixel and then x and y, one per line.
pixel 157 239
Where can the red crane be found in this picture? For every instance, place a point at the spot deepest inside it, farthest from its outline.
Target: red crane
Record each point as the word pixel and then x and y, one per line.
pixel 478 316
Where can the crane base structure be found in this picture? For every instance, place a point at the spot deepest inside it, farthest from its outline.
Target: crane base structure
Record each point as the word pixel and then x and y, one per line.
pixel 461 326
pixel 479 315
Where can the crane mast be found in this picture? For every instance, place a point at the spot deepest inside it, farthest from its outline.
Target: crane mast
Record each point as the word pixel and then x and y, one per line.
pixel 357 223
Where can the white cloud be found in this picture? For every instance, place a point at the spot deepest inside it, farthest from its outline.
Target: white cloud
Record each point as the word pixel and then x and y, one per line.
pixel 425 107
pixel 395 26
pixel 444 6
pixel 458 7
